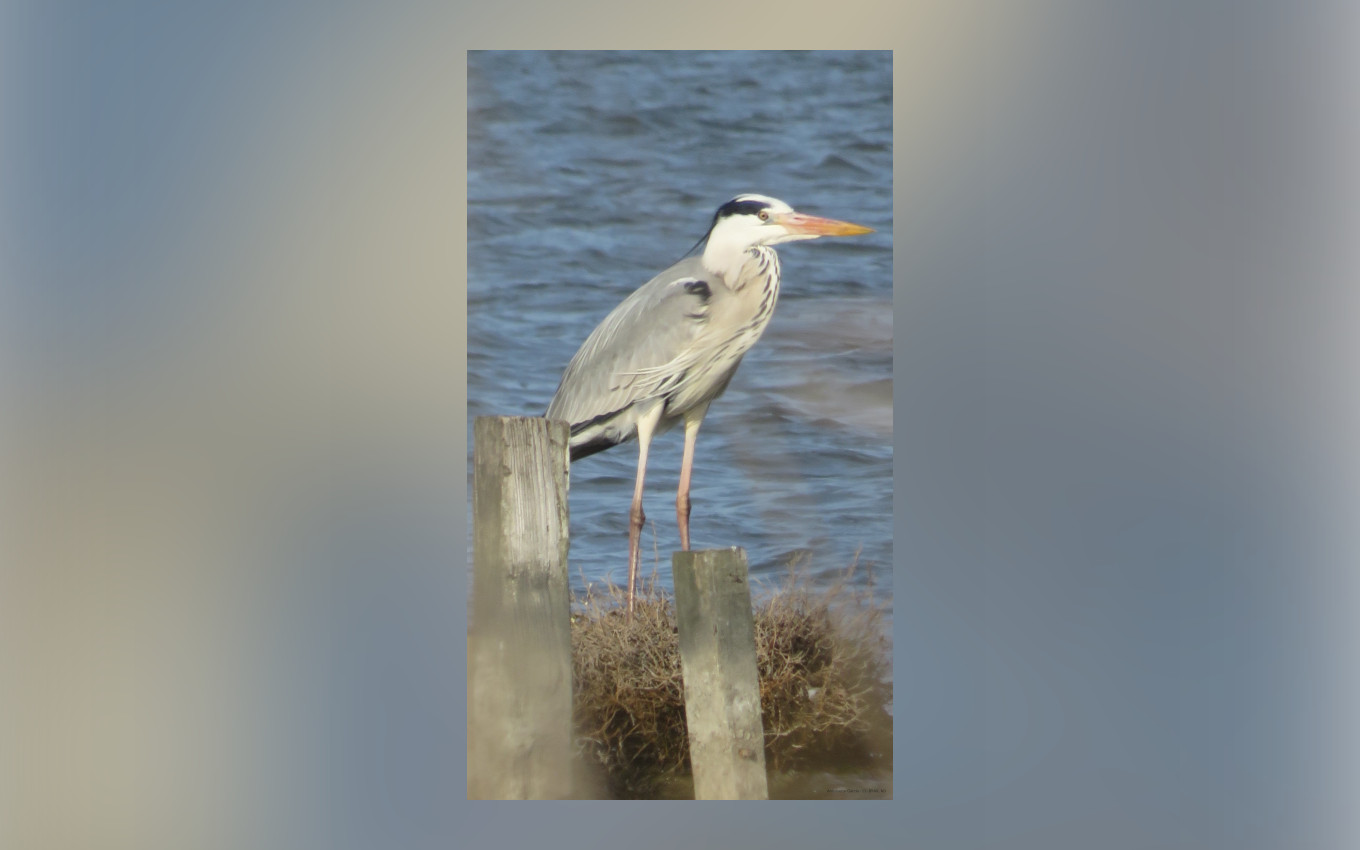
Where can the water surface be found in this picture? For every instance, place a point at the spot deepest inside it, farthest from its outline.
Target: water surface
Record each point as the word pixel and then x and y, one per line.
pixel 588 173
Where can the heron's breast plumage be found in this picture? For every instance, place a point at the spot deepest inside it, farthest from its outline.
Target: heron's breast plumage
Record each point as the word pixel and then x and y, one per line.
pixel 732 324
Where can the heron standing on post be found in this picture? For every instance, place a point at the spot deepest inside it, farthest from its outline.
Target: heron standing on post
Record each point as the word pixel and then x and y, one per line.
pixel 673 345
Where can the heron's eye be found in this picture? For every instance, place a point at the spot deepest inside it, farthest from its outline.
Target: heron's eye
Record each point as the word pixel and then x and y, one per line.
pixel 764 215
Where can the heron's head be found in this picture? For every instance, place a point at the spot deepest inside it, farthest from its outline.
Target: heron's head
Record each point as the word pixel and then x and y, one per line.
pixel 750 220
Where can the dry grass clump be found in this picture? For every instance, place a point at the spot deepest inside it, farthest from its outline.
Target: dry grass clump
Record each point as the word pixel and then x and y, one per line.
pixel 628 689
pixel 823 663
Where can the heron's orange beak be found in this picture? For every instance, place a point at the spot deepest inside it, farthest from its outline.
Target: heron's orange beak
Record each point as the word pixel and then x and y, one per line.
pixel 815 226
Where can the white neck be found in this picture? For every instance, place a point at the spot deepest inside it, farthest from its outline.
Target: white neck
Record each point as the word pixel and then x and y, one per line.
pixel 726 253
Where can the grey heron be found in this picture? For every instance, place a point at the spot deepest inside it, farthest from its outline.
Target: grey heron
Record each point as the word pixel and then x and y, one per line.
pixel 669 349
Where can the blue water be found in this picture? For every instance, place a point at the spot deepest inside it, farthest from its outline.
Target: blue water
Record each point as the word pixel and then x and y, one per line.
pixel 590 172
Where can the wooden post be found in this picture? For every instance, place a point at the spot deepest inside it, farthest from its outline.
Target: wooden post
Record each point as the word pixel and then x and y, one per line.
pixel 722 682
pixel 519 642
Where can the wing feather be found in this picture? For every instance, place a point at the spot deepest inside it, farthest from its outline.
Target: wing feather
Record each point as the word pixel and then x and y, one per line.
pixel 641 350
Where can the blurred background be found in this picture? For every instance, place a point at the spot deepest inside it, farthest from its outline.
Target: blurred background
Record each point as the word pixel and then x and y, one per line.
pixel 233 292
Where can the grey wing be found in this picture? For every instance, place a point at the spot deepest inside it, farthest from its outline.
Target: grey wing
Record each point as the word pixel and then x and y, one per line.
pixel 640 350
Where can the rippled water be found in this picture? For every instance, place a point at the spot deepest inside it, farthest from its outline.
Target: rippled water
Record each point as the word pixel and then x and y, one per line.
pixel 590 172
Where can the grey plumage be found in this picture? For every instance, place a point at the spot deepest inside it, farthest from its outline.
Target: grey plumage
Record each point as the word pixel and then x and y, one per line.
pixel 672 346
pixel 676 339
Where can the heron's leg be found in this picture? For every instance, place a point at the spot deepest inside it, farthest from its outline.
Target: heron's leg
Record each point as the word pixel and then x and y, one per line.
pixel 692 422
pixel 646 426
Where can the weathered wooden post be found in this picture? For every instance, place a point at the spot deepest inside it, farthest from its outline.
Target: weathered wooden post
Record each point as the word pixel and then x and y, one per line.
pixel 519 643
pixel 722 683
